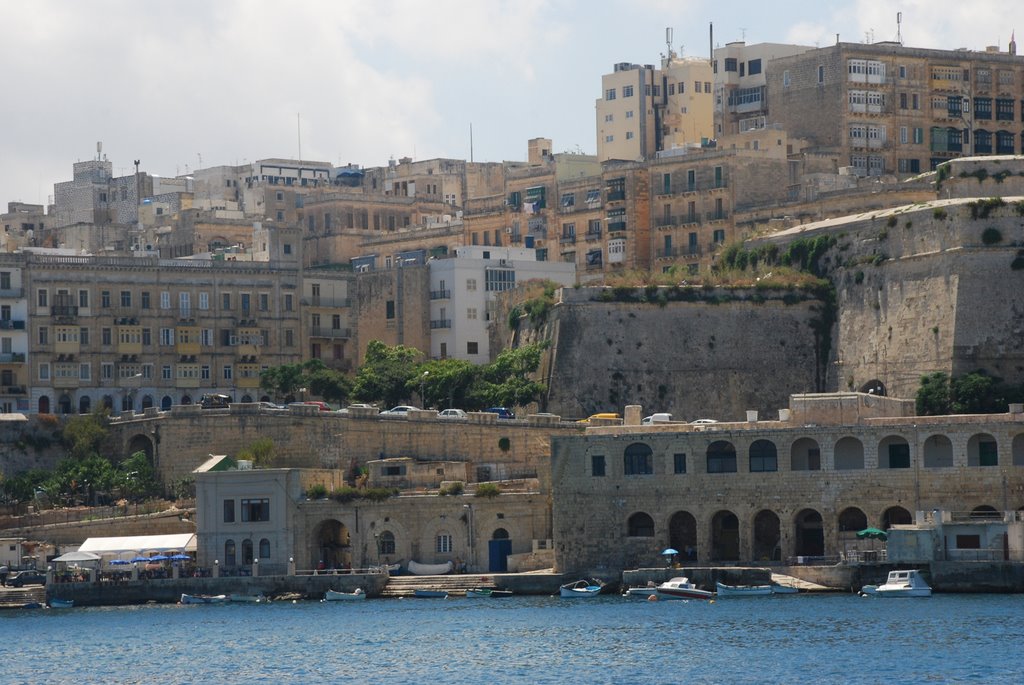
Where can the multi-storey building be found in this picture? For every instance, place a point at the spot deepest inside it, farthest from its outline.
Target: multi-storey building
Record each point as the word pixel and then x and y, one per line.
pixel 884 108
pixel 326 317
pixel 14 347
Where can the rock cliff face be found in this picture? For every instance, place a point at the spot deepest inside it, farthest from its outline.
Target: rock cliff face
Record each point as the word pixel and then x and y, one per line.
pixel 716 356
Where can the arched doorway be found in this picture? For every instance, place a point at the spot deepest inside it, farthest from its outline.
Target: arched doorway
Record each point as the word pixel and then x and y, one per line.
pixel 982 450
pixel 246 398
pixel 84 404
pixel 725 536
pixel 721 457
pixel 805 455
pixel 65 404
pixel 331 545
pixel 874 387
pixel 44 405
pixel 166 402
pixel 849 454
pixel 851 521
pixel 499 547
pixel 108 402
pixel 894 452
pixel 896 516
pixel 937 452
pixel 682 535
pixel 141 443
pixel 147 401
pixel 809 534
pixel 985 512
pixel 640 525
pixel 767 534
pixel 186 399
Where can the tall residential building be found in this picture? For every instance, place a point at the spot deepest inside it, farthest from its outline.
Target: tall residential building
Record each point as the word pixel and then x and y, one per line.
pixel 644 109
pixel 884 108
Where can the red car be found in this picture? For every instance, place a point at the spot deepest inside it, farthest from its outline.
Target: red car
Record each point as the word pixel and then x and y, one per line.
pixel 322 405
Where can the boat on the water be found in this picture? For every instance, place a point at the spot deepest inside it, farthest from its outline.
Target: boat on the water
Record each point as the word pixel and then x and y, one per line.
pixel 430 569
pixel 251 599
pixel 645 592
pixel 742 590
pixel 430 594
pixel 681 588
pixel 579 589
pixel 61 603
pixel 784 589
pixel 906 583
pixel 335 596
pixel 203 599
pixel 487 592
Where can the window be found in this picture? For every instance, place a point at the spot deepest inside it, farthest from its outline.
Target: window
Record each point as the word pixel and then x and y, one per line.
pixel 763 457
pixel 753 67
pixel 166 336
pixel 256 509
pixel 225 301
pixel 472 348
pixel 721 457
pixel 608 118
pixel 679 462
pixel 264 302
pixel 145 299
pixel 607 139
pixel 386 543
pixel 246 302
pixel 229 553
pixel 44 371
pixel 640 525
pixel 638 460
pixel 903 71
pixel 904 135
pixel 228 373
pixel 165 300
pixel 609 94
pixel 982 108
pixel 443 541
pixel 389 309
pixel 629 135
pixel 471 313
pixel 988 454
pixel 83 299
pixel 899 456
pixel 498 280
pixel 918 135
pixel 264 548
pixel 85 372
pixel 229 511
pixel 731 64
pixel 289 304
pixel 597 465
pixel 166 372
pixel 1004 109
pixel 629 114
pixel 107 370
pixel 786 80
pixel 105 299
pixel 627 92
pixel 470 284
pixel 126 298
pixel 44 335
pixel 5 280
pixel 821 73
pixel 42 296
pixel 204 300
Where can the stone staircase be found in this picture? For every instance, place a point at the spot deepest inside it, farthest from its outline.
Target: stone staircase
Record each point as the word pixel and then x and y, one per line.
pixel 454 585
pixel 16 598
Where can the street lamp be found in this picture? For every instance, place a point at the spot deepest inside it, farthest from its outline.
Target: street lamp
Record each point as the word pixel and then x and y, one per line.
pixel 423 387
pixel 469 532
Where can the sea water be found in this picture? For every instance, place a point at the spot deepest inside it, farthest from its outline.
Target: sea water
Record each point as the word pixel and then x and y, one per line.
pixel 782 639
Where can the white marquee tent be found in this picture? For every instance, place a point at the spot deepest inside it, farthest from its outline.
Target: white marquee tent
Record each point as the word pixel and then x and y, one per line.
pixel 182 542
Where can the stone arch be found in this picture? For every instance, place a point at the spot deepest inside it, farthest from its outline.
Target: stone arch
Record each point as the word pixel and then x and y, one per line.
pixel 805 455
pixel 725 536
pixel 84 404
pixel 147 402
pixel 65 404
pixel 849 454
pixel 640 525
pixel 852 520
pixel 982 450
pixel 894 516
pixel 44 404
pixel 186 399
pixel 246 398
pixel 637 460
pixel 682 535
pixel 809 533
pixel 230 558
pixel 937 451
pixel 764 456
pixel 893 452
pixel 265 398
pixel 1018 449
pixel 166 403
pixel 767 536
pixel 500 534
pixel 386 543
pixel 721 457
pixel 247 552
pixel 874 387
pixel 141 443
pixel 985 511
pixel 264 549
pixel 108 402
pixel 331 544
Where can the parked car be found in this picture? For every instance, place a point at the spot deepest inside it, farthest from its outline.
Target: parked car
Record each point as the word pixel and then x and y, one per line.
pixel 451 414
pixel 323 406
pixel 502 412
pixel 657 418
pixel 270 406
pixel 215 401
pixel 30 577
pixel 602 415
pixel 400 410
pixel 698 422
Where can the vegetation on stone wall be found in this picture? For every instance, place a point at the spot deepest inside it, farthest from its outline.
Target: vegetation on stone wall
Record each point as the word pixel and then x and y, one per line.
pixel 488 490
pixel 991 236
pixel 284 381
pixel 939 213
pixel 452 489
pixel 262 453
pixel 972 393
pixel 981 209
pixel 536 306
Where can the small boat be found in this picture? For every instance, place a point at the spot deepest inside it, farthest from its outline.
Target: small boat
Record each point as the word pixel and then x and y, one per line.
pixel 580 589
pixel 335 596
pixel 645 592
pixel 487 592
pixel 203 599
pixel 784 589
pixel 908 583
pixel 430 569
pixel 430 594
pixel 743 590
pixel 251 599
pixel 61 603
pixel 681 588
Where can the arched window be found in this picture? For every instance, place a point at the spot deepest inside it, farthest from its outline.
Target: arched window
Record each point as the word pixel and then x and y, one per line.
pixel 721 457
pixel 637 460
pixel 763 456
pixel 499 534
pixel 264 548
pixel 84 404
pixel 247 551
pixel 166 402
pixel 641 525
pixel 229 553
pixel 386 542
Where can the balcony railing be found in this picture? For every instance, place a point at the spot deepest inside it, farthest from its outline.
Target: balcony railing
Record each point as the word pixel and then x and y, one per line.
pixel 680 251
pixel 332 333
pixel 616 195
pixel 64 310
pixel 616 226
pixel 326 301
pixel 568 239
pixel 440 323
pixel 12 324
pixel 593 235
pixel 440 294
pixel 12 358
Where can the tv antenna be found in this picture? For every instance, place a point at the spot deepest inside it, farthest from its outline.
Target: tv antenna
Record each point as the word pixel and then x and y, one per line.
pixel 899 32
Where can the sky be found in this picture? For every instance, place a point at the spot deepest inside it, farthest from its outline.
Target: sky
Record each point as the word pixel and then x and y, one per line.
pixel 199 83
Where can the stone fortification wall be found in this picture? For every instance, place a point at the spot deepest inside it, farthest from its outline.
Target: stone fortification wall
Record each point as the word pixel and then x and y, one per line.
pixel 727 352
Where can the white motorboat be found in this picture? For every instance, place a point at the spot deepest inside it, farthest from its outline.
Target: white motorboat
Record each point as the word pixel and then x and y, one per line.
pixel 743 590
pixel 580 589
pixel 335 596
pixel 418 569
pixel 907 583
pixel 203 599
pixel 645 592
pixel 681 588
pixel 248 599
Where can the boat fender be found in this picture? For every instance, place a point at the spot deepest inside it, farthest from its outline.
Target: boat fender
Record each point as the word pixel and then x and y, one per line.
pixel 652 598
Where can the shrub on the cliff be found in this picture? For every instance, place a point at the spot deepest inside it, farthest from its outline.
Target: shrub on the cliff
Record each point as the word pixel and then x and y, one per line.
pixel 316 491
pixel 489 490
pixel 981 209
pixel 939 213
pixel 991 236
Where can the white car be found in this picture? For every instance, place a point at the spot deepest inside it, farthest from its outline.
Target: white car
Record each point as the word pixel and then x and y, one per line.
pixel 657 418
pixel 400 410
pixel 703 421
pixel 451 414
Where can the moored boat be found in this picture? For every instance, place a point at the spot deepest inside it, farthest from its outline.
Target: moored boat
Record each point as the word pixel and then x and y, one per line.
pixel 430 594
pixel 61 603
pixel 487 592
pixel 430 569
pixel 681 588
pixel 203 599
pixel 580 589
pixel 251 599
pixel 742 590
pixel 906 583
pixel 784 589
pixel 335 596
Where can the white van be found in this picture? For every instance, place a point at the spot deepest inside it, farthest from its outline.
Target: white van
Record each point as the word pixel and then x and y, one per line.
pixel 657 418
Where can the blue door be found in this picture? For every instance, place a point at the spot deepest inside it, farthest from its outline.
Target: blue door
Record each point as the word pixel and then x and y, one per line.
pixel 497 552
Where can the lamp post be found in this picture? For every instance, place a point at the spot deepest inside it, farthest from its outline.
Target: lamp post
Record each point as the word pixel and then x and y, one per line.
pixel 376 543
pixel 423 388
pixel 469 533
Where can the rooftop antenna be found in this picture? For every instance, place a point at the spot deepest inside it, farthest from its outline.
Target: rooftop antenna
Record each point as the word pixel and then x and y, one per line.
pixel 743 34
pixel 298 132
pixel 99 149
pixel 899 32
pixel 668 42
pixel 711 41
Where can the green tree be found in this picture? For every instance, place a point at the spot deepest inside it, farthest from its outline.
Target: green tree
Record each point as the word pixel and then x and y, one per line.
pixel 386 373
pixel 445 383
pixel 977 393
pixel 286 379
pixel 136 478
pixel 84 434
pixel 507 381
pixel 81 480
pixel 262 453
pixel 933 398
pixel 331 385
pixel 22 486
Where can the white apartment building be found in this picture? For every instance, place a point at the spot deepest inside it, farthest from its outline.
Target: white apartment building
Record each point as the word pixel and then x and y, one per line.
pixel 463 289
pixel 14 376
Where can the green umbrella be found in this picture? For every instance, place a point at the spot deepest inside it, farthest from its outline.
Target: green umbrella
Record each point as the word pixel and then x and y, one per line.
pixel 873 533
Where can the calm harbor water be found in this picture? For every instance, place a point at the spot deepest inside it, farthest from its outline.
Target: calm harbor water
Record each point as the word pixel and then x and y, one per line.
pixel 785 639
